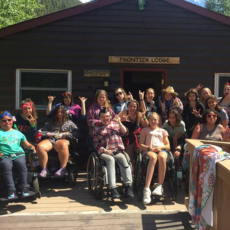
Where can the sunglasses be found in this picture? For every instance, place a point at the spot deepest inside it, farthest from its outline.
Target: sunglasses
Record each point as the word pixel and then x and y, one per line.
pixel 9 120
pixel 211 115
pixel 66 95
pixel 117 94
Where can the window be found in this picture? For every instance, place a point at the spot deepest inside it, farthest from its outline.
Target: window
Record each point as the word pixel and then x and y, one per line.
pixel 39 84
pixel 220 80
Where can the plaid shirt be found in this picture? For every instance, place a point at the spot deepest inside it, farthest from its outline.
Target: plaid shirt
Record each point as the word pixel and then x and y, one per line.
pixel 177 106
pixel 107 137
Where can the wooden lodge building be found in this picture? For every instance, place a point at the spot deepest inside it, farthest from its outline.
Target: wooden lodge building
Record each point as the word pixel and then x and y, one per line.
pixel 111 43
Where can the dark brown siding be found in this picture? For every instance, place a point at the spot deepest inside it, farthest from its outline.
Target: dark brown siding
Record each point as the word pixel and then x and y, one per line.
pixel 85 41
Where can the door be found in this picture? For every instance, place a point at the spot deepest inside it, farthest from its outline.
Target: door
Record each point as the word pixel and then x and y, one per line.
pixel 135 80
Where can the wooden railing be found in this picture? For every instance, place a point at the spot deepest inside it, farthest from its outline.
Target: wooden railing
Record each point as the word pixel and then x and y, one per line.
pixel 221 203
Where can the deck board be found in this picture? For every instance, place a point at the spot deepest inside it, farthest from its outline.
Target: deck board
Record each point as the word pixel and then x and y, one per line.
pixel 62 207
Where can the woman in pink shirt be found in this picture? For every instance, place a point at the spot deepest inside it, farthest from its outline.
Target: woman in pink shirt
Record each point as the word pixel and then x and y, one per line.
pixel 155 144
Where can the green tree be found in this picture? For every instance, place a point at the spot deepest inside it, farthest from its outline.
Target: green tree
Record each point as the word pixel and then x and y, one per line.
pixel 57 5
pixel 15 11
pixel 220 6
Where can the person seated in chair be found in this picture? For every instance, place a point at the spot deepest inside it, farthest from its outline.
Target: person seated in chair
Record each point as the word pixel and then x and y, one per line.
pixel 59 131
pixel 176 130
pixel 11 153
pixel 155 144
pixel 108 143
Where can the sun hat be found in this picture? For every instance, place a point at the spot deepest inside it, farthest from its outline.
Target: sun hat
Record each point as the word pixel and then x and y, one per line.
pixel 170 89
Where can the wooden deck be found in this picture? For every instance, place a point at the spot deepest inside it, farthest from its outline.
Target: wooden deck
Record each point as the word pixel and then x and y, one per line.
pixel 60 204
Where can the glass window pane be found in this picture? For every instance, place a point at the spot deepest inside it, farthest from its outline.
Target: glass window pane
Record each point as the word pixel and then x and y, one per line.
pixel 41 97
pixel 45 80
pixel 222 81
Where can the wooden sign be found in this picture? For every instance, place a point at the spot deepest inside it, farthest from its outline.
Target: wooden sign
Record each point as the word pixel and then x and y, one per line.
pixel 96 73
pixel 144 60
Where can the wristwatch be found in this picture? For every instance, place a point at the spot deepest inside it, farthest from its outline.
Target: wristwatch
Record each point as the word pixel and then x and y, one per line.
pixel 148 148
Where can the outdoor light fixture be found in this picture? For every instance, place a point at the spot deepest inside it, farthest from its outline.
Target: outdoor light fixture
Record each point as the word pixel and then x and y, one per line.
pixel 141 4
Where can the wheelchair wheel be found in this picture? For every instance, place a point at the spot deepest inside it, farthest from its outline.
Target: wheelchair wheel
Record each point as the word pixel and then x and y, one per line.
pixel 35 184
pixel 72 175
pixel 92 171
pixel 137 172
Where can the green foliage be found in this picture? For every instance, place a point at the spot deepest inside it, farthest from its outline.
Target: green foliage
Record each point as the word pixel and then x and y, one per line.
pixel 220 6
pixel 15 11
pixel 57 5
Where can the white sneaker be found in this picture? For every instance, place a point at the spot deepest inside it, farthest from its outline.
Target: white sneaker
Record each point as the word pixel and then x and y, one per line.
pixel 158 190
pixel 146 196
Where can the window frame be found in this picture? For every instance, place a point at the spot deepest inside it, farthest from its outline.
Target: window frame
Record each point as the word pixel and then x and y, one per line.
pixel 216 83
pixel 18 87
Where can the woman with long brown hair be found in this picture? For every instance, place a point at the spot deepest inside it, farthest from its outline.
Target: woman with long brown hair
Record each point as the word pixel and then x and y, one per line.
pixel 133 120
pixel 26 120
pixel 59 131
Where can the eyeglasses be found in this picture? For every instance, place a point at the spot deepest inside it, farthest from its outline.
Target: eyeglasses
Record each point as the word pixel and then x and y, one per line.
pixel 9 120
pixel 117 94
pixel 66 95
pixel 212 115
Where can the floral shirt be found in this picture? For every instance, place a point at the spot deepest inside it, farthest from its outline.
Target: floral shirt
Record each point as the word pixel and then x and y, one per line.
pixel 107 137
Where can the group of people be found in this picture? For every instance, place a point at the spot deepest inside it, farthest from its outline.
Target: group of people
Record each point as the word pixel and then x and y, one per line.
pixel 129 125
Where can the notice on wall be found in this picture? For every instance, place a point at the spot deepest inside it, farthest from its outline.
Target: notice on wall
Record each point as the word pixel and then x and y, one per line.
pixel 144 60
pixel 96 73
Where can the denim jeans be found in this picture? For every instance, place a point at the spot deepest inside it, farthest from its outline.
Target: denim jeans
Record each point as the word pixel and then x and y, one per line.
pixel 7 164
pixel 123 165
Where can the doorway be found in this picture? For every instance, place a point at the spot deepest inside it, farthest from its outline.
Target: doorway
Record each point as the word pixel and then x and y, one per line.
pixel 134 80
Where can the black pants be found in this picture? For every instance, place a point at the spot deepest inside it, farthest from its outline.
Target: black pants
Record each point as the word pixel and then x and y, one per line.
pixel 7 164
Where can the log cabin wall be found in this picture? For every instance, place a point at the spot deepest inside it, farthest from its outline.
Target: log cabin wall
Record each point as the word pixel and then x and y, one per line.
pixel 85 41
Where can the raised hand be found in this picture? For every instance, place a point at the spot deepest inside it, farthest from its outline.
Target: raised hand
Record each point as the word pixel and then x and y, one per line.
pixel 125 117
pixel 32 120
pixel 163 106
pixel 196 112
pixel 176 103
pixel 141 95
pixel 130 96
pixel 199 87
pixel 51 98
pixel 83 99
pixel 117 119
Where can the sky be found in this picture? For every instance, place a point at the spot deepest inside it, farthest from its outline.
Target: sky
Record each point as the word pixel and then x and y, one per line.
pixel 84 1
pixel 197 2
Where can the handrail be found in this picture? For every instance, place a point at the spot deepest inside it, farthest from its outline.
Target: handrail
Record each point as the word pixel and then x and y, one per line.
pixel 221 203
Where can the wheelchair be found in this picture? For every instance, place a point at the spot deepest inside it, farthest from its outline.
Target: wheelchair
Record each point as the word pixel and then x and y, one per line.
pixel 97 176
pixel 32 180
pixel 72 167
pixel 173 176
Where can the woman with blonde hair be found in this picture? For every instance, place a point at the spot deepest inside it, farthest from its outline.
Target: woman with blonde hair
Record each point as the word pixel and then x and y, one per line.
pixel 100 102
pixel 121 100
pixel 155 144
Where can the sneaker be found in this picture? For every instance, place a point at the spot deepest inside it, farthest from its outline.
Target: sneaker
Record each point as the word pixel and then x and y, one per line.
pixel 11 195
pixel 129 191
pixel 146 196
pixel 43 173
pixel 25 192
pixel 158 190
pixel 114 193
pixel 60 172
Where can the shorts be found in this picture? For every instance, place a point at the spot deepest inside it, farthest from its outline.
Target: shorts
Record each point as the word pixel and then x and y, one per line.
pixel 161 151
